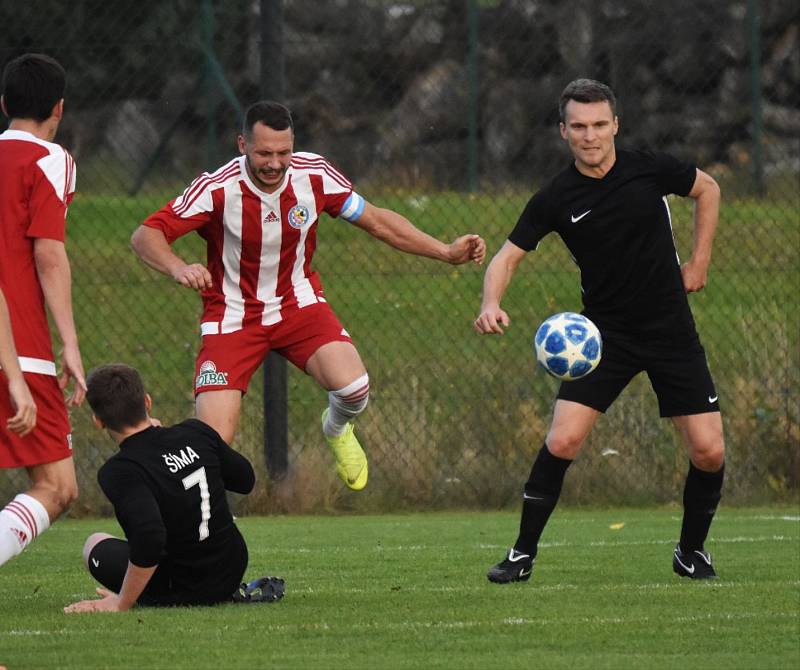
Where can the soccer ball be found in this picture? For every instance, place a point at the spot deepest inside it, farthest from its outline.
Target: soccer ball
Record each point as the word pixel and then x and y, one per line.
pixel 568 346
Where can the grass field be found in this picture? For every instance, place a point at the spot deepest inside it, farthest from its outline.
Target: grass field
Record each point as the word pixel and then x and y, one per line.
pixel 408 591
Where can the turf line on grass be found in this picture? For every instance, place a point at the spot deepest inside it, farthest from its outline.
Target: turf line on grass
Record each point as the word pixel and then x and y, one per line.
pixel 674 583
pixel 639 543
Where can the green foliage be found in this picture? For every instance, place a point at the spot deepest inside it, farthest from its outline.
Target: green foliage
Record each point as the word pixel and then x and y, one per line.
pixel 409 591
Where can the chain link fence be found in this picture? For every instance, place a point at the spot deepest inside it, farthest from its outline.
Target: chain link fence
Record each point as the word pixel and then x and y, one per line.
pixel 445 111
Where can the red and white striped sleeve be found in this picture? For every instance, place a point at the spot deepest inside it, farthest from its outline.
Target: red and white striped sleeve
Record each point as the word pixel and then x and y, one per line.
pixel 336 188
pixel 194 208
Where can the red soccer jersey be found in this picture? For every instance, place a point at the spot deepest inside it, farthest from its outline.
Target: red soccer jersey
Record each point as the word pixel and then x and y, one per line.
pixel 259 244
pixel 37 182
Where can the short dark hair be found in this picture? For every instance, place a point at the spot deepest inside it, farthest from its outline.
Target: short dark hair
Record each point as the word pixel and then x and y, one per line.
pixel 32 85
pixel 272 114
pixel 116 395
pixel 586 90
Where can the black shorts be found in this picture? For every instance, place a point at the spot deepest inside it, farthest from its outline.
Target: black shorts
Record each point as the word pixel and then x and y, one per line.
pixel 209 580
pixel 678 373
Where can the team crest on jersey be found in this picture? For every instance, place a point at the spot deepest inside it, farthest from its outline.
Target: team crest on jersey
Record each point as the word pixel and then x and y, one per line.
pixel 298 216
pixel 209 376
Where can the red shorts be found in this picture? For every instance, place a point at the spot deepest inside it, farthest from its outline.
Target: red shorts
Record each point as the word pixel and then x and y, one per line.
pixel 229 360
pixel 51 440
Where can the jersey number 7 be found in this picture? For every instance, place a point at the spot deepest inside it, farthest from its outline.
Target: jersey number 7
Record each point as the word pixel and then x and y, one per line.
pixel 198 478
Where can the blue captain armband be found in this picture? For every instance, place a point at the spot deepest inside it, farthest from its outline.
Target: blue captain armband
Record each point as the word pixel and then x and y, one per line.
pixel 353 207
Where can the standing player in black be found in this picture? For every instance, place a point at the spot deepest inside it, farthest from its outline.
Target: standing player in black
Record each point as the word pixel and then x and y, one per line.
pixel 167 486
pixel 610 209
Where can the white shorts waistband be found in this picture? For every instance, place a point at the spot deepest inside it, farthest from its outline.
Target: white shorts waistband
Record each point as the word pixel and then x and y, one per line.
pixel 38 366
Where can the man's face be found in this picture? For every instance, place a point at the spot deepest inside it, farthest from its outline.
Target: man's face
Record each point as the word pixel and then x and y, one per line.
pixel 269 153
pixel 589 129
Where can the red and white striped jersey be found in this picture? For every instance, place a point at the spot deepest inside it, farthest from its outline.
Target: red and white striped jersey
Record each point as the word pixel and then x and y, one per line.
pixel 37 183
pixel 259 245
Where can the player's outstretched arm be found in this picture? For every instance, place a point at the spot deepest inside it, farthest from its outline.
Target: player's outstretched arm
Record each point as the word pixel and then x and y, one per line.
pixel 139 515
pixel 136 579
pixel 706 194
pixel 52 267
pixel 397 231
pixel 24 418
pixel 498 276
pixel 152 247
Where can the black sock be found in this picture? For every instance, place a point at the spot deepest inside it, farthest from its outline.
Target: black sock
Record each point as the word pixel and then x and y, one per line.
pixel 541 495
pixel 700 499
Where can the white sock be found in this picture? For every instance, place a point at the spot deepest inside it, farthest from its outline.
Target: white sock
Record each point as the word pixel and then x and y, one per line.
pixel 21 521
pixel 346 404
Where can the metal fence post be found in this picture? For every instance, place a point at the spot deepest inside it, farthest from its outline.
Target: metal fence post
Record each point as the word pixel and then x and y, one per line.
pixel 754 27
pixel 208 45
pixel 276 401
pixel 473 84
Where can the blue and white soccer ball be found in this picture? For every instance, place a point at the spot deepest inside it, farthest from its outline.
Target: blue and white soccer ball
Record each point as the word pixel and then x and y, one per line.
pixel 568 346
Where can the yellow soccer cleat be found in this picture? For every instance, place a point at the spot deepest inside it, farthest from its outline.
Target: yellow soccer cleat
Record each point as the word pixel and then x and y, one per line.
pixel 351 461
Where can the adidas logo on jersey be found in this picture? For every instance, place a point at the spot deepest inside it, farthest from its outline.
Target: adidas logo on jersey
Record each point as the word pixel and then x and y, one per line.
pixel 271 218
pixel 22 536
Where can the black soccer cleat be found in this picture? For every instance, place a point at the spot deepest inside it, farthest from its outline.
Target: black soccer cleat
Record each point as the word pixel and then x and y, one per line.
pixel 516 567
pixel 261 590
pixel 693 564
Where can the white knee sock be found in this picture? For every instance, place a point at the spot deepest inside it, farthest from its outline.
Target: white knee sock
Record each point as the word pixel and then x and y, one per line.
pixel 346 404
pixel 21 521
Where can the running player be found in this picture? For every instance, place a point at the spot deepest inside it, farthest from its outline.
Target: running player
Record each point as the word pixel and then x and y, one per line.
pixel 167 486
pixel 610 209
pixel 37 182
pixel 258 214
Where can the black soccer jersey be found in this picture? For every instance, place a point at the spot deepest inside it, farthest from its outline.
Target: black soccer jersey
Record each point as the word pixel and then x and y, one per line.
pixel 168 486
pixel 619 231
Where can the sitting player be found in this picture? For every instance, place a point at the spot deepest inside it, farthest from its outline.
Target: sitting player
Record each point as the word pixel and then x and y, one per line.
pixel 167 486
